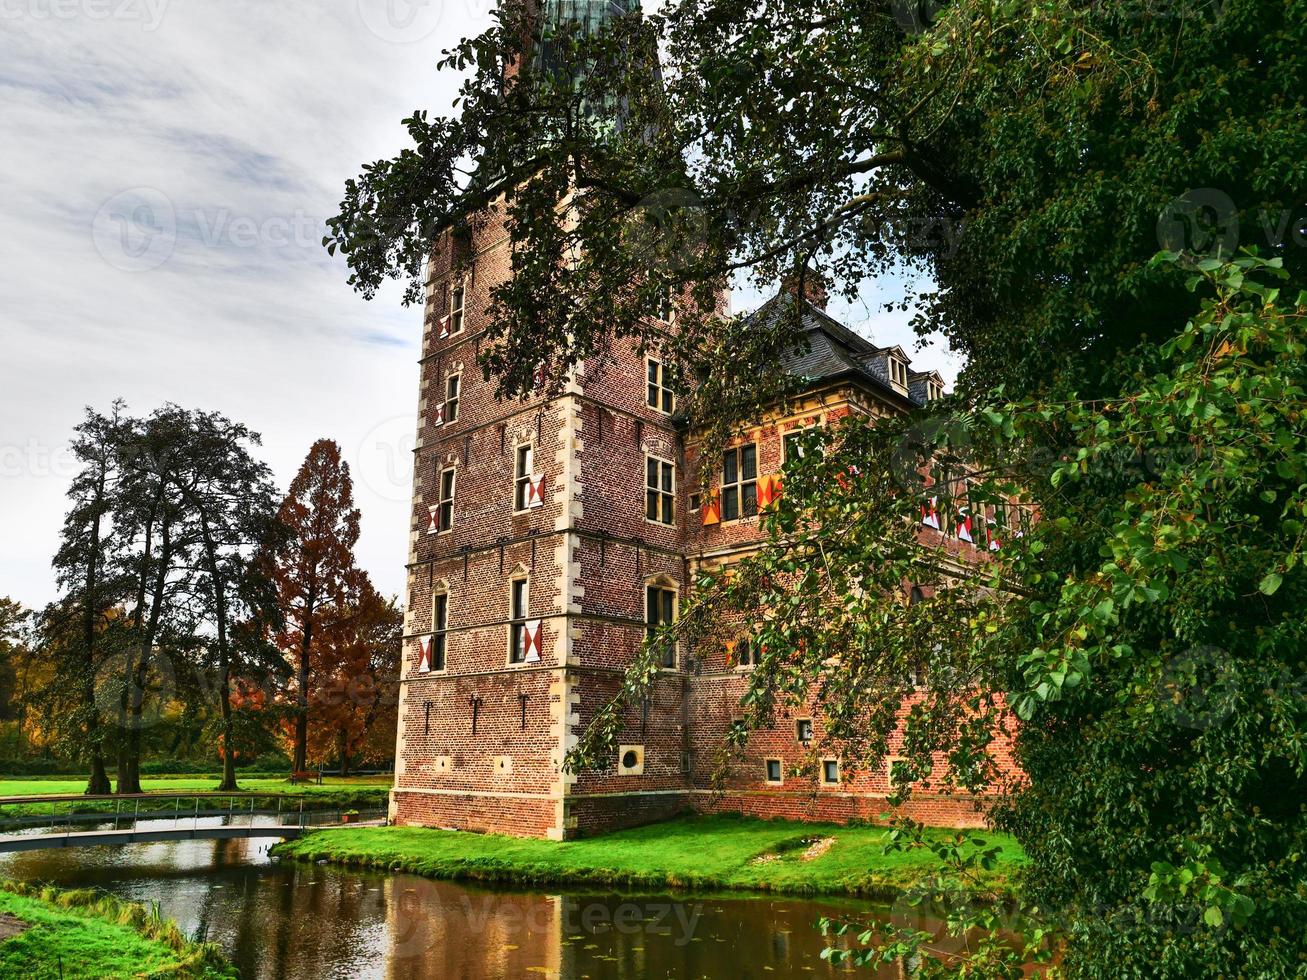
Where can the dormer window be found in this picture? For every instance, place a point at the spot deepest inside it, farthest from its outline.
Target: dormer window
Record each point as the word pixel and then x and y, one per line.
pixel 934 391
pixel 898 372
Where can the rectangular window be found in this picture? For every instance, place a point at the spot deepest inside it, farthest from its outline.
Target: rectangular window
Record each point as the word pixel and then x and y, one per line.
pixel 522 467
pixel 740 483
pixel 660 395
pixel 660 491
pixel 745 654
pixel 667 305
pixel 659 610
pixel 830 772
pixel 518 604
pixel 453 388
pixel 439 630
pixel 457 296
pixel 774 771
pixel 696 501
pixel 445 505
pixel 898 372
pixel 803 730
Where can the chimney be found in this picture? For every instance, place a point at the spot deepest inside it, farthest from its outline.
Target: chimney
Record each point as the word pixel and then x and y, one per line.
pixel 813 287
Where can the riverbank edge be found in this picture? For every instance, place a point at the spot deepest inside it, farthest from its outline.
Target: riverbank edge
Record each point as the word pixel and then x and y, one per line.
pixel 203 961
pixel 332 847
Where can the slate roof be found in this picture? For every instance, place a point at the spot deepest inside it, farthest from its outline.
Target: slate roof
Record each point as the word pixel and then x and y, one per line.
pixel 832 350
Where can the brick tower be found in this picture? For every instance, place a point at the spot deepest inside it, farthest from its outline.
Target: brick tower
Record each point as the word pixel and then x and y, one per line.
pixel 549 534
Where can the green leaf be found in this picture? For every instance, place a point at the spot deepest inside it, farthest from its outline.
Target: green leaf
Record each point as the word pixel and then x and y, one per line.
pixel 1271 583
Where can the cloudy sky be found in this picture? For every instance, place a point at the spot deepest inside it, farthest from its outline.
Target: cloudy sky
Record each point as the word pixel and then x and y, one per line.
pixel 166 167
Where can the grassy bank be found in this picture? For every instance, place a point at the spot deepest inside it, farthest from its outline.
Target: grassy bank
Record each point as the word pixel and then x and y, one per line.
pixel 78 934
pixel 714 852
pixel 353 792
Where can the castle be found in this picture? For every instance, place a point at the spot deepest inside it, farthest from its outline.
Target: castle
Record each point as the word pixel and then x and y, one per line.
pixel 551 534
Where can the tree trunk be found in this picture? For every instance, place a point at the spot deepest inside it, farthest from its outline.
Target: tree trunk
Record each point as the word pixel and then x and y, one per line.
pixel 300 763
pixel 98 784
pixel 342 750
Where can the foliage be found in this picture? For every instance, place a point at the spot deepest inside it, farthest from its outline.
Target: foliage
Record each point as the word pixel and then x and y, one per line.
pixel 698 852
pixel 1031 157
pixel 320 588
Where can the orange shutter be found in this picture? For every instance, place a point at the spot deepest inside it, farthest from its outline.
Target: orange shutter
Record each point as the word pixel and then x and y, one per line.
pixel 712 508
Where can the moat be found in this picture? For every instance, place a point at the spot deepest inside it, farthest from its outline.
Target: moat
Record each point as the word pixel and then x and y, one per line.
pixel 286 921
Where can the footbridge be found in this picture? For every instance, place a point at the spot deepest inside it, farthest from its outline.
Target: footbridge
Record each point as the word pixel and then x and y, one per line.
pixel 31 823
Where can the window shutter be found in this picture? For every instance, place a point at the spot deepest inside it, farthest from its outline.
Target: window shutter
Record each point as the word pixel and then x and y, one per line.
pixel 930 513
pixel 711 508
pixel 444 327
pixel 964 525
pixel 995 544
pixel 769 490
pixel 533 647
pixel 434 526
pixel 424 660
pixel 541 378
pixel 439 418
pixel 535 491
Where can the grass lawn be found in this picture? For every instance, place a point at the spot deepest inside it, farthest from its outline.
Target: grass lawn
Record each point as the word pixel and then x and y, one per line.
pixel 357 792
pixel 83 935
pixel 702 852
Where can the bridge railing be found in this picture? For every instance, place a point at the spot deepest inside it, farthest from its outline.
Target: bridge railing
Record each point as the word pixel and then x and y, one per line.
pixel 67 813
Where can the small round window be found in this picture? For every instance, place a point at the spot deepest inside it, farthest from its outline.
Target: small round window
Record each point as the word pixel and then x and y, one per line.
pixel 630 759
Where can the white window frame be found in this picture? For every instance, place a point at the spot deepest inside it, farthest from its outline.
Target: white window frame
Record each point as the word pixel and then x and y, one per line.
pixel 740 483
pixel 656 383
pixel 517 623
pixel 439 632
pixel 457 314
pixel 651 627
pixel 522 481
pixel 663 497
pixel 838 773
pixel 453 396
pixel 442 502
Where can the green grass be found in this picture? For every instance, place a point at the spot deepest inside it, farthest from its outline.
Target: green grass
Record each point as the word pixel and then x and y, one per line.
pixel 352 792
pixel 706 852
pixel 85 934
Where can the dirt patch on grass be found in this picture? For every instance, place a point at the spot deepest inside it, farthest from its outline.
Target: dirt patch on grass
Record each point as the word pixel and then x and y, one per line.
pixel 11 927
pixel 817 848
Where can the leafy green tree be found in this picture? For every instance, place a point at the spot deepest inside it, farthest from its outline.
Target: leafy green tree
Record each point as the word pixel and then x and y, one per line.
pixel 1032 159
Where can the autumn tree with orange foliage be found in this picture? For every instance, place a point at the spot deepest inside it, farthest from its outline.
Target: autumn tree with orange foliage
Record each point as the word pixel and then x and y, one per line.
pixel 320 587
pixel 354 690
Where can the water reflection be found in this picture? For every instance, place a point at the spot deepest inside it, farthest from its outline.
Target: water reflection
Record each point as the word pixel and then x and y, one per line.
pixel 293 921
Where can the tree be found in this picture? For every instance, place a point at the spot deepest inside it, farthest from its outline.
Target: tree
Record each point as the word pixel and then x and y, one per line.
pixel 356 683
pixel 317 580
pixel 230 511
pixel 1032 158
pixel 91 592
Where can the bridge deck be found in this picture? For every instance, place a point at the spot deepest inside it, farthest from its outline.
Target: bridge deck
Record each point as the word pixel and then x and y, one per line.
pixel 117 838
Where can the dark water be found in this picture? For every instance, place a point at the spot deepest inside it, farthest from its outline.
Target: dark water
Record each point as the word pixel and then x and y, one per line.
pixel 283 920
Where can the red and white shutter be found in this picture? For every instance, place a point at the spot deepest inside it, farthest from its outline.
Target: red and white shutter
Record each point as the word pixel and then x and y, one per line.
pixel 535 491
pixel 541 378
pixel 424 660
pixel 990 532
pixel 439 417
pixel 964 526
pixel 433 527
pixel 532 631
pixel 444 326
pixel 930 513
